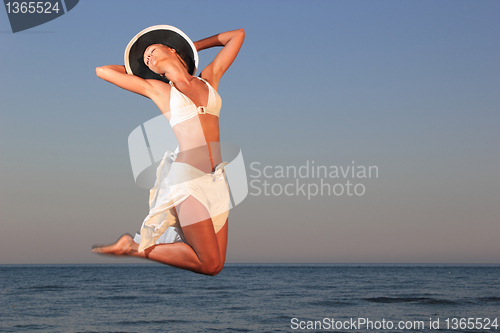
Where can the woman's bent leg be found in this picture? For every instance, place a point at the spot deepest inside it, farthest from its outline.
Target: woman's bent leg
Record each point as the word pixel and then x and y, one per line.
pixel 199 233
pixel 205 253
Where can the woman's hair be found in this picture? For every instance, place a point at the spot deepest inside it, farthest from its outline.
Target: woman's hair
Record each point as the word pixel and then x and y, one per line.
pixel 182 61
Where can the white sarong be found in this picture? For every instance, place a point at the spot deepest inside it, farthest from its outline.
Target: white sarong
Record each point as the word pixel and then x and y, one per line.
pixel 175 182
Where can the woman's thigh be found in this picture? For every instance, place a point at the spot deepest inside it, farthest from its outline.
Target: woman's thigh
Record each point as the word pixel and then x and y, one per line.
pixel 198 230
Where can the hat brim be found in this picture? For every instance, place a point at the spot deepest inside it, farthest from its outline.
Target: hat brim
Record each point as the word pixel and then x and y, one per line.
pixel 159 34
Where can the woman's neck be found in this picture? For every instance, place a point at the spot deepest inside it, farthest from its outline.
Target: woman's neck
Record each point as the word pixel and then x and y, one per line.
pixel 178 74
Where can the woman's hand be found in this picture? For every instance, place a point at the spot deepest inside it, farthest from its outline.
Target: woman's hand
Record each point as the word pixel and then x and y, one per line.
pixel 231 42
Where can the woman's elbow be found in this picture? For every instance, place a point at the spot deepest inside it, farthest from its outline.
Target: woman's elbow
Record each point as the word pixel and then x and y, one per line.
pixel 239 33
pixel 103 72
pixel 100 71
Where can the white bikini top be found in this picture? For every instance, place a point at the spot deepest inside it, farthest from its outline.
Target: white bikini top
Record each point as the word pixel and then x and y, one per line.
pixel 182 108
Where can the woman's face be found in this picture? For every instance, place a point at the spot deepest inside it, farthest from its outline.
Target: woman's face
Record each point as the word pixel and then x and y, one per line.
pixel 156 53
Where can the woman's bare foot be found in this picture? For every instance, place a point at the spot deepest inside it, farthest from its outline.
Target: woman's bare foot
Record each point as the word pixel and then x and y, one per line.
pixel 122 247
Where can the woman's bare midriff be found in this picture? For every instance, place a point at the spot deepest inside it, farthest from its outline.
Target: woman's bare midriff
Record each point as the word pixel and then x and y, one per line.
pixel 199 142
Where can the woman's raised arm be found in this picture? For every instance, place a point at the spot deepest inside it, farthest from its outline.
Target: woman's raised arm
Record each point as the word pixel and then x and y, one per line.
pixel 231 42
pixel 117 75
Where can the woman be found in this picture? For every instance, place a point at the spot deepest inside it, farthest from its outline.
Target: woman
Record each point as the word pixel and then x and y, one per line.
pixel 204 233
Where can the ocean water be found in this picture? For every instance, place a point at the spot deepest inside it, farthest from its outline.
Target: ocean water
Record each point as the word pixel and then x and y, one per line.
pixel 250 298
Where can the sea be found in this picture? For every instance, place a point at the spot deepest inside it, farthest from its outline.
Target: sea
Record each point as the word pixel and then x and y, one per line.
pixel 250 298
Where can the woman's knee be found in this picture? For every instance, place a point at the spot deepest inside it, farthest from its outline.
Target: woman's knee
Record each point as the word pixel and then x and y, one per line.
pixel 212 268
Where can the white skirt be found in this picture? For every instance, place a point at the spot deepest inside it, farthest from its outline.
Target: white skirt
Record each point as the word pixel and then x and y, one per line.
pixel 175 182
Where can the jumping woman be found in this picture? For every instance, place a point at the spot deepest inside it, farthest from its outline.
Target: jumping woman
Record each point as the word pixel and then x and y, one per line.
pixel 187 225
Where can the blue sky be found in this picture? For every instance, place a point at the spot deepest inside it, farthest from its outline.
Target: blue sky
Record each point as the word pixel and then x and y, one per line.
pixel 410 87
